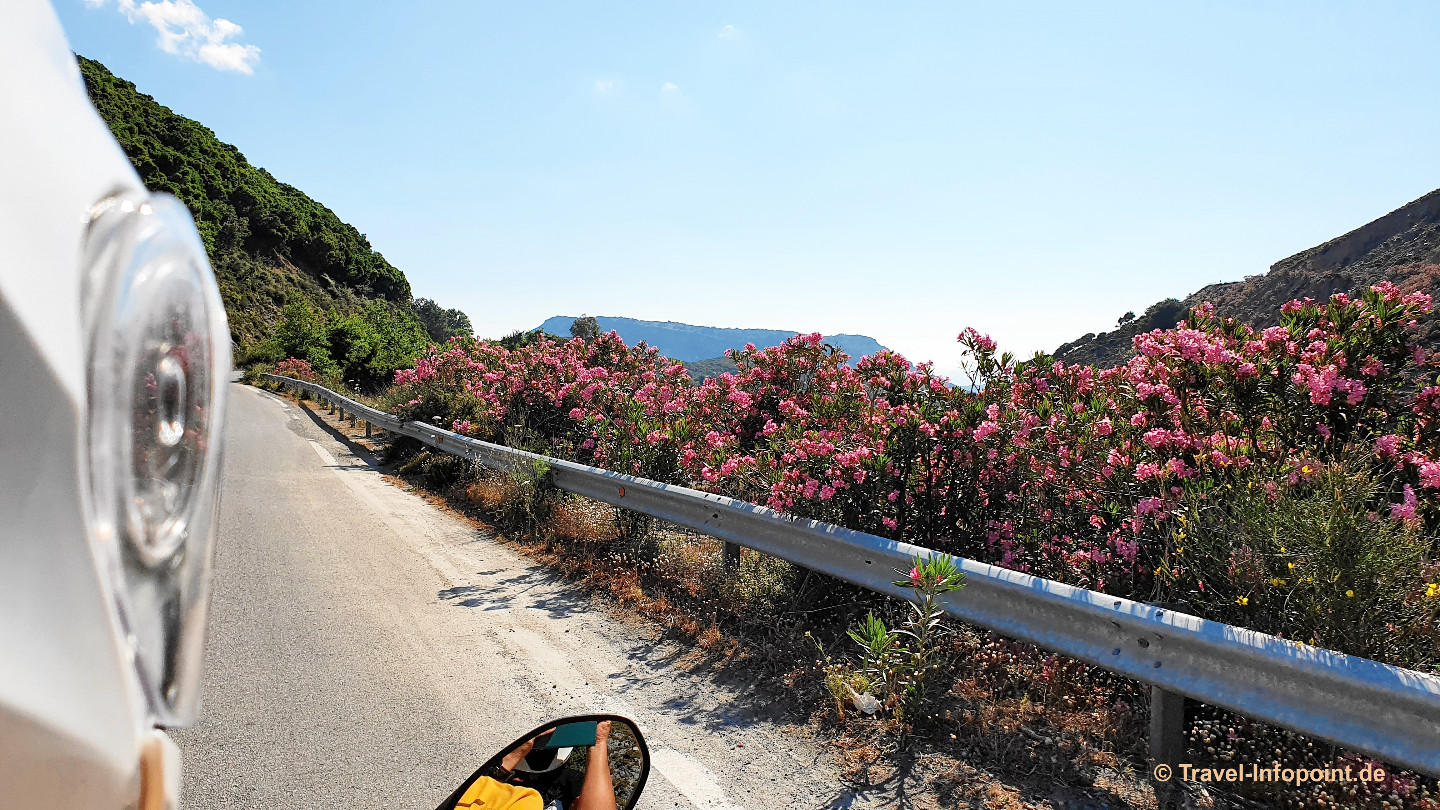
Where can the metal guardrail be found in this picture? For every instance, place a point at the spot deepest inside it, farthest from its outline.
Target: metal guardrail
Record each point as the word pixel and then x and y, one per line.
pixel 1385 711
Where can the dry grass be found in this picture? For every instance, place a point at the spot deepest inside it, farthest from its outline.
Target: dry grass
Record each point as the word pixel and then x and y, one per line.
pixel 491 494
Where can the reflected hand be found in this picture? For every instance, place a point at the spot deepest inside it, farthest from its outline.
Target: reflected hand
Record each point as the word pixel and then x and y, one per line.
pixel 513 758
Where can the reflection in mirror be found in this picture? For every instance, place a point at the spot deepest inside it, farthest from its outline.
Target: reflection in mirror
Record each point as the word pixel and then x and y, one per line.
pixel 596 762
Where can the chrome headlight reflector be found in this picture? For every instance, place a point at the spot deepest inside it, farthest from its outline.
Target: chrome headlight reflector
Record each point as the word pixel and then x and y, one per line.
pixel 158 362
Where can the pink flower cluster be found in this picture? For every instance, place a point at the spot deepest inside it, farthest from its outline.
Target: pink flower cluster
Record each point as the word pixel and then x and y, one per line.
pixel 1069 472
pixel 294 367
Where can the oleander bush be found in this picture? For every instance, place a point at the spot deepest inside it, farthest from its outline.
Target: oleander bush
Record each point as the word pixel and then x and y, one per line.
pixel 1286 479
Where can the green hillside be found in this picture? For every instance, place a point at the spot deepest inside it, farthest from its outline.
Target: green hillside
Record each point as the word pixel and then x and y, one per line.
pixel 272 245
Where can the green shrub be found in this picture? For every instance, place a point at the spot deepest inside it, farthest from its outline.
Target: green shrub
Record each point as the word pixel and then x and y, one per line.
pixel 899 663
pixel 253 372
pixel 1314 562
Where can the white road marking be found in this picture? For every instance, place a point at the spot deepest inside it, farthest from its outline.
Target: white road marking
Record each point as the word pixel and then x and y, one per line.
pixel 323 453
pixel 692 779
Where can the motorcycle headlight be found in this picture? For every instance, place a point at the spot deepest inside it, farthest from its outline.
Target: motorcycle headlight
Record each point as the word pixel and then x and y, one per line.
pixel 158 363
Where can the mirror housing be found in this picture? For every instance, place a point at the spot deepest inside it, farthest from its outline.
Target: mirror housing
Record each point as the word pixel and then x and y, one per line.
pixel 586 762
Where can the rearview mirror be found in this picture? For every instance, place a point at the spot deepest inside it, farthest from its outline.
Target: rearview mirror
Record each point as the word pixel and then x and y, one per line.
pixel 591 762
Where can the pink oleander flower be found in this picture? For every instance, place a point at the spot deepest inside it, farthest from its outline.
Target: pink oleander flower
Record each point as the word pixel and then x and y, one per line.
pixel 1386 447
pixel 1405 510
pixel 1430 474
pixel 972 337
pixel 1156 438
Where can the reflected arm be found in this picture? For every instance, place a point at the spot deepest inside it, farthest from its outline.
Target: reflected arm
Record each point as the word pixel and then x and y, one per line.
pixel 598 790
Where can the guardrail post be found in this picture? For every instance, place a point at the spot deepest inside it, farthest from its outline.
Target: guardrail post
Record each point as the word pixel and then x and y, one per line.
pixel 367 430
pixel 1167 738
pixel 1167 744
pixel 730 559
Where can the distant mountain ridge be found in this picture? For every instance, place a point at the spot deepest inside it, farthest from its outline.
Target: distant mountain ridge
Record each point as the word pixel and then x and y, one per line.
pixel 1402 247
pixel 689 343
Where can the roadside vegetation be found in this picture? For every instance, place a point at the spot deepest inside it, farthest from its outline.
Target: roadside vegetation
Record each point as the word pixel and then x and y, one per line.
pixel 274 249
pixel 1286 480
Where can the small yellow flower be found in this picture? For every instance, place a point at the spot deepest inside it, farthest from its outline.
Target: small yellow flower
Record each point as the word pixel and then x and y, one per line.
pixel 1432 590
pixel 1292 566
pixel 1180 518
pixel 1277 582
pixel 1282 549
pixel 1242 600
pixel 1181 549
pixel 1349 594
pixel 1305 469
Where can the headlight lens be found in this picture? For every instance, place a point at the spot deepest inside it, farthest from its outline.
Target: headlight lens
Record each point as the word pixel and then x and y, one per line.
pixel 158 364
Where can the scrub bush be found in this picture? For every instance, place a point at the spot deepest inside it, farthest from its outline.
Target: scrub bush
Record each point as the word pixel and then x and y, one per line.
pixel 898 664
pixel 1176 477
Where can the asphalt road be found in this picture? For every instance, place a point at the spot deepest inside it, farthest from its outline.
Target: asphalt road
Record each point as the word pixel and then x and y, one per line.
pixel 367 649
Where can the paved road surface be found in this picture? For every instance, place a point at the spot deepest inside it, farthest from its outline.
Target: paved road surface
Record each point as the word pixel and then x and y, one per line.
pixel 368 650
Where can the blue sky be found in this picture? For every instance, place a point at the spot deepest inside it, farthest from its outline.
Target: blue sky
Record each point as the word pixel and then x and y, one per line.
pixel 1030 169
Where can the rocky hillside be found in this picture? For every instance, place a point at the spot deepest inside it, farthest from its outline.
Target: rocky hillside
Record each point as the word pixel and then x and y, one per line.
pixel 702 370
pixel 689 343
pixel 1402 247
pixel 269 242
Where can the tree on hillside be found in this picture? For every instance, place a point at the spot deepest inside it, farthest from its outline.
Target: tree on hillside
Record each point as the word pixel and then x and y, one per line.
pixel 586 328
pixel 520 338
pixel 441 324
pixel 302 333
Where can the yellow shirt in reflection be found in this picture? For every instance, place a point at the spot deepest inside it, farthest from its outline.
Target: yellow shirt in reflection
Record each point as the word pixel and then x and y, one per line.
pixel 487 794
